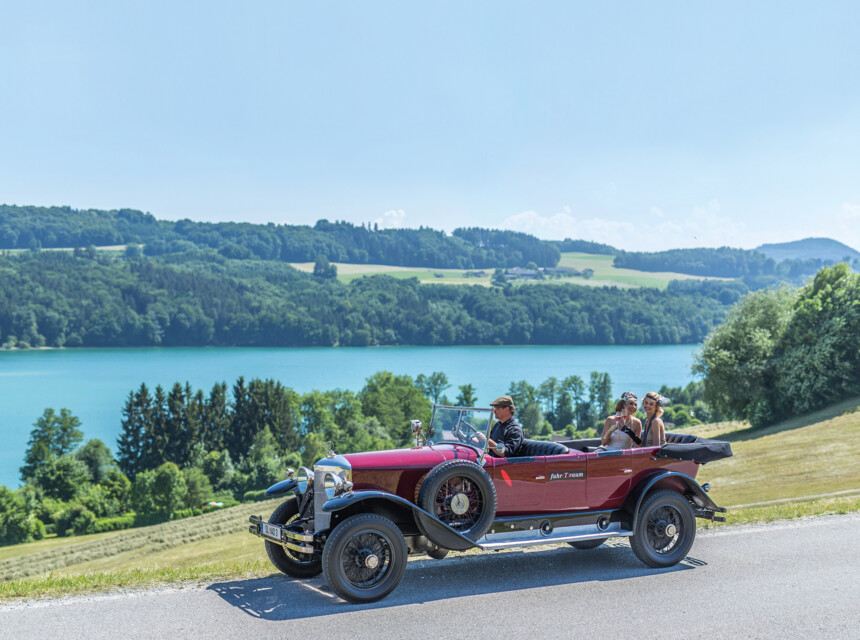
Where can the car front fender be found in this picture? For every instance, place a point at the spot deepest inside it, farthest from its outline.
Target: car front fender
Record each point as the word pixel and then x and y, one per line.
pixel 696 494
pixel 282 487
pixel 443 535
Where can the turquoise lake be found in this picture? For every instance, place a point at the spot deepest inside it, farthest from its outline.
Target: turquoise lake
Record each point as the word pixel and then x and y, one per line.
pixel 94 383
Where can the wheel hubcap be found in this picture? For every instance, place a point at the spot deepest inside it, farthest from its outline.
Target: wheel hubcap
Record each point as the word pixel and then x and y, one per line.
pixel 663 529
pixel 460 504
pixel 371 561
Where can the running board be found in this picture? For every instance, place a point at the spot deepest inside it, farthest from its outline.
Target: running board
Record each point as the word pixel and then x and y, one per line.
pixel 510 533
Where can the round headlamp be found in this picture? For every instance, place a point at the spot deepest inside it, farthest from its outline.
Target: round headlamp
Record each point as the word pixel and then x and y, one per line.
pixel 305 478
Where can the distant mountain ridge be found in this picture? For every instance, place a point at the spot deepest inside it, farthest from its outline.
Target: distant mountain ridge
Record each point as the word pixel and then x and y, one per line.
pixel 825 249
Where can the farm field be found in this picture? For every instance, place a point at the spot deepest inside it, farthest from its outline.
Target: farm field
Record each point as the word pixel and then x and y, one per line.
pixel 801 467
pixel 604 273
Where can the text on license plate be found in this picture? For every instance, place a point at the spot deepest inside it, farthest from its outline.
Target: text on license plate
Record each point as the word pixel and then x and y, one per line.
pixel 270 531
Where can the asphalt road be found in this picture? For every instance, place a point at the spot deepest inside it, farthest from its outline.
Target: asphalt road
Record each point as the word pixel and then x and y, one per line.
pixel 793 580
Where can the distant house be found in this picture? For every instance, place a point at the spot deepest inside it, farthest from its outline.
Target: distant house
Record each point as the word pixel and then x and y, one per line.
pixel 561 271
pixel 523 274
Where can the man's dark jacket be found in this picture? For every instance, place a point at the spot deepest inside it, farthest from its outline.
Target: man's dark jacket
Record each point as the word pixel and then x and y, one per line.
pixel 511 433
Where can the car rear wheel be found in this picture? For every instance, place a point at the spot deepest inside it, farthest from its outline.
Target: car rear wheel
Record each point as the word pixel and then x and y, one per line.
pixel 461 495
pixel 293 563
pixel 364 558
pixel 585 545
pixel 665 529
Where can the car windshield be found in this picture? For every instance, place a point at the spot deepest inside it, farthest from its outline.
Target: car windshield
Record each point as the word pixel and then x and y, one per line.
pixel 459 424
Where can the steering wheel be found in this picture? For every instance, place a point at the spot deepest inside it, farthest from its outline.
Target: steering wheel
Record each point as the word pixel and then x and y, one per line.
pixel 464 431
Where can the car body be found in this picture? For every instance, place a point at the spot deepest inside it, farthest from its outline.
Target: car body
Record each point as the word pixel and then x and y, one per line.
pixel 356 517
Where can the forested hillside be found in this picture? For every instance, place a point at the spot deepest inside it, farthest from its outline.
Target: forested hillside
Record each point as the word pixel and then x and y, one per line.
pixel 818 248
pixel 50 227
pixel 724 262
pixel 202 298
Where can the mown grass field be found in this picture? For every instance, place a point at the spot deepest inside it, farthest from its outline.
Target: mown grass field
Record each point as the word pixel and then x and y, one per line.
pixel 784 467
pixel 604 273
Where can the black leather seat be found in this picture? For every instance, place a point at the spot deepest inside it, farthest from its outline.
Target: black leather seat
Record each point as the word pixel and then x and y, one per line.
pixel 532 448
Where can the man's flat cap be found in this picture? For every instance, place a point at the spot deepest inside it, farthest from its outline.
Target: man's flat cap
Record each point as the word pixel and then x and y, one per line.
pixel 503 401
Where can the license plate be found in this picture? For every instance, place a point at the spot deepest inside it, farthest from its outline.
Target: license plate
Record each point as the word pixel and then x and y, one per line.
pixel 270 531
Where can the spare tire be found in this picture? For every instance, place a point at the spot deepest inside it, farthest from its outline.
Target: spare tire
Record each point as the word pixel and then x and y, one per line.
pixel 461 495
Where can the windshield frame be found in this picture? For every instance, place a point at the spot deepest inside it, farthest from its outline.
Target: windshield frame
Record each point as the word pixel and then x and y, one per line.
pixel 481 449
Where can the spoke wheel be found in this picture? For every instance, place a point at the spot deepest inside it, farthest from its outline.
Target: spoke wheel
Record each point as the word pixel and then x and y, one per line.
pixel 293 563
pixel 460 494
pixel 665 529
pixel 364 558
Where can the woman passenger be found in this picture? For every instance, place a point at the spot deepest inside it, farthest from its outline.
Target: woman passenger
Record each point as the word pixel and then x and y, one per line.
pixel 623 429
pixel 654 434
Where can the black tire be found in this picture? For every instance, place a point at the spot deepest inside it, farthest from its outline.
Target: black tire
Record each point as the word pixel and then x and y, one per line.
pixel 470 484
pixel 585 545
pixel 437 553
pixel 347 558
pixel 293 563
pixel 665 529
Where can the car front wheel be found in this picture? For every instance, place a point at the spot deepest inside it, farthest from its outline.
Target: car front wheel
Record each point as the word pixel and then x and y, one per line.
pixel 665 529
pixel 364 558
pixel 293 563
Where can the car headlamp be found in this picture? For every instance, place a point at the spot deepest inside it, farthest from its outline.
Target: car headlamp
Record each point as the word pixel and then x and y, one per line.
pixel 305 478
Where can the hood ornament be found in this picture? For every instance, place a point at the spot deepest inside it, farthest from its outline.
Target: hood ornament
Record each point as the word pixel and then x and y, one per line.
pixel 331 453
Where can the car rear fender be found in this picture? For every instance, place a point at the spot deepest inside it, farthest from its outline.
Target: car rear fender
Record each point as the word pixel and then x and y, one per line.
pixel 384 503
pixel 282 487
pixel 675 481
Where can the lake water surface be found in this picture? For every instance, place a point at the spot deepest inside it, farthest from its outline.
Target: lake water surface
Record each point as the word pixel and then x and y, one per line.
pixel 94 383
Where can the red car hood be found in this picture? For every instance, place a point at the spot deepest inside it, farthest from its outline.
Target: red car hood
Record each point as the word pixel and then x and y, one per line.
pixel 426 457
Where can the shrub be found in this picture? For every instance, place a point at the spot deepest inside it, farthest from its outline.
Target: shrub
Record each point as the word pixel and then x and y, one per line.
pixel 84 522
pixel 114 524
pixel 254 496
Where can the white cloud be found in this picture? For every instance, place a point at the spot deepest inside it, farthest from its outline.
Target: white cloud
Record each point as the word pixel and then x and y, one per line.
pixel 704 226
pixel 850 212
pixel 562 225
pixel 393 219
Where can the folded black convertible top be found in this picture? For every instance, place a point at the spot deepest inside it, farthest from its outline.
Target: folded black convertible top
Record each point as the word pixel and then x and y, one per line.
pixel 686 447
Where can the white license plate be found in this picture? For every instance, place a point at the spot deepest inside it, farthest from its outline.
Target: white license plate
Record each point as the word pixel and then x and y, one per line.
pixel 270 531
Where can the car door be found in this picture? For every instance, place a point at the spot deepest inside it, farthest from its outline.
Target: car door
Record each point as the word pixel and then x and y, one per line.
pixel 566 482
pixel 519 482
pixel 608 475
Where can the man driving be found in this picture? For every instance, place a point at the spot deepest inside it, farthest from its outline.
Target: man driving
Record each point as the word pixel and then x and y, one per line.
pixel 507 431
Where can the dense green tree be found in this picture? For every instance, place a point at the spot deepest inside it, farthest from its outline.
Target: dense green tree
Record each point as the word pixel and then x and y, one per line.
pixel 52 436
pixel 15 522
pixel 62 478
pixel 466 397
pixel 131 444
pixel 394 400
pixel 98 459
pixel 168 488
pixel 219 468
pixel 738 358
pixel 433 386
pixel 198 488
pixel 142 498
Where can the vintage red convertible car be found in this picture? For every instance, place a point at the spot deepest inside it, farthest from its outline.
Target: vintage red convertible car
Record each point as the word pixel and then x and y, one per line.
pixel 357 517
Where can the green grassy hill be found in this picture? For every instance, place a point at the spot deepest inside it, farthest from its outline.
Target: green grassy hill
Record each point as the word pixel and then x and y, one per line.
pixel 605 274
pixel 804 466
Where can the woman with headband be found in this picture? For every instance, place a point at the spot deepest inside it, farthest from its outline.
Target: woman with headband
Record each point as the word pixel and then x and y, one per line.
pixel 654 434
pixel 623 429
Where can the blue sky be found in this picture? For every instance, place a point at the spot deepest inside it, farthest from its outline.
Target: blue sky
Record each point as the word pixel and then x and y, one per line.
pixel 645 125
